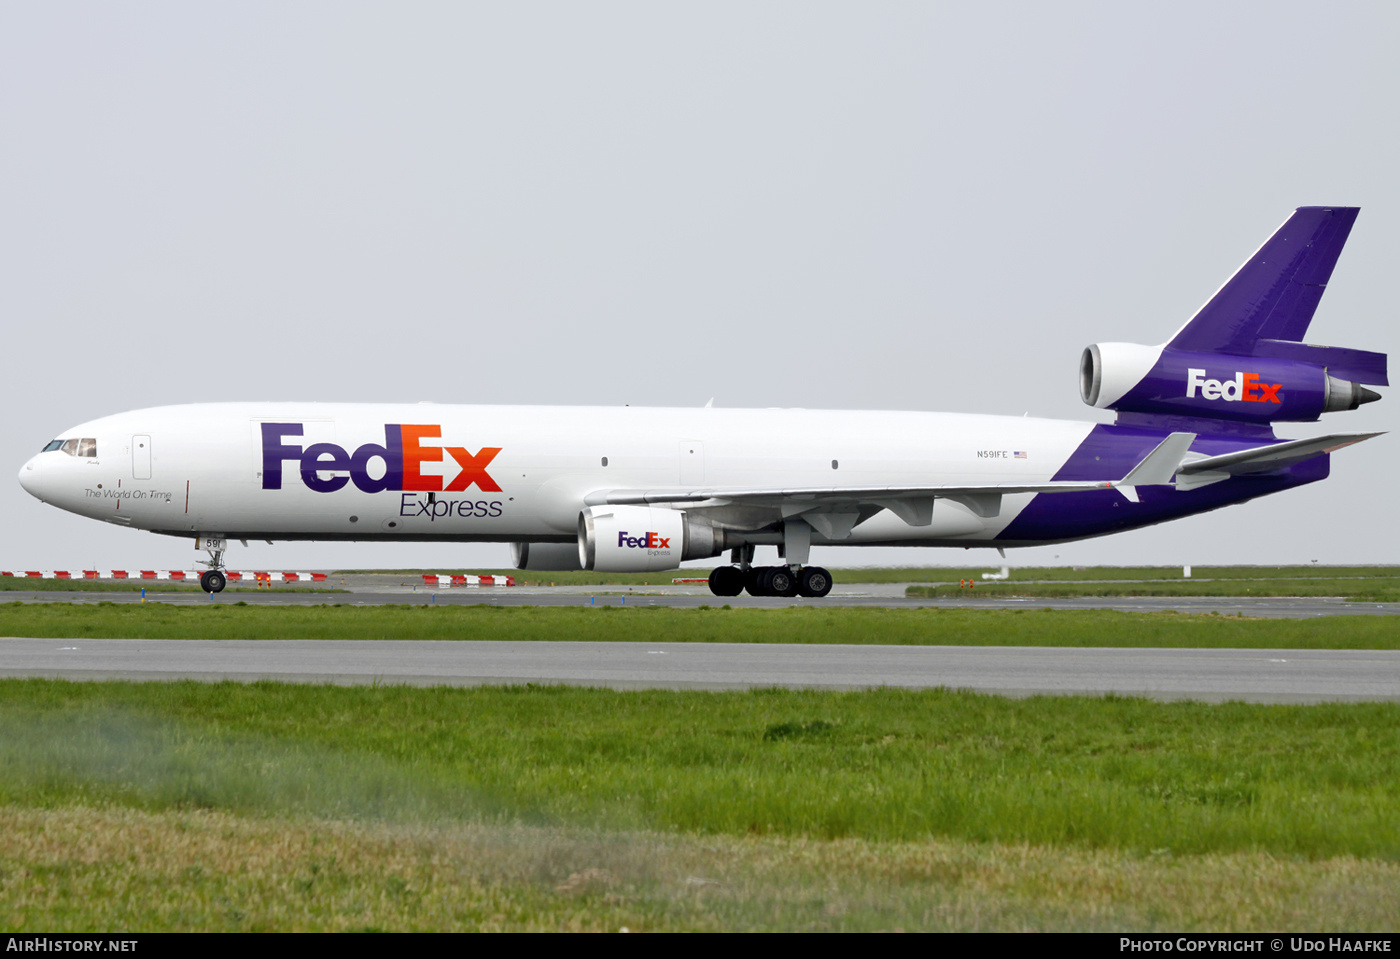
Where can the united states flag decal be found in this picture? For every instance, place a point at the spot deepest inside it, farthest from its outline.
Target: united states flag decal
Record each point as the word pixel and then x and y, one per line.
pixel 1018 454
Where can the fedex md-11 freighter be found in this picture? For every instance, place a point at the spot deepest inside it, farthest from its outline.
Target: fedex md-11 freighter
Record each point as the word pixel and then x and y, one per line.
pixel 637 489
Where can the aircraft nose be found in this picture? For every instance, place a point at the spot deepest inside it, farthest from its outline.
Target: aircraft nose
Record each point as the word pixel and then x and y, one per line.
pixel 29 478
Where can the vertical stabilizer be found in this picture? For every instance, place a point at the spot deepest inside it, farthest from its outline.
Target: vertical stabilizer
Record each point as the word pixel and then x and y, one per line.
pixel 1274 295
pixel 1241 359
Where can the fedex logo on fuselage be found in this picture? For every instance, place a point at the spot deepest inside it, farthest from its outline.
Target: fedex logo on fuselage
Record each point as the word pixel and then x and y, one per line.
pixel 645 541
pixel 1245 386
pixel 402 455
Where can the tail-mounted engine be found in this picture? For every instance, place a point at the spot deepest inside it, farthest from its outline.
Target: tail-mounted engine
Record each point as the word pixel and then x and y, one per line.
pixel 635 539
pixel 1152 379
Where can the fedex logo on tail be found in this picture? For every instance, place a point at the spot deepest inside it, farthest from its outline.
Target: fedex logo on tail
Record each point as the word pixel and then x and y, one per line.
pixel 646 541
pixel 1244 387
pixel 402 457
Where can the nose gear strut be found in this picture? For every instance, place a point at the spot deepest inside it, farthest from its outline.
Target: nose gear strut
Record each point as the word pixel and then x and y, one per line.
pixel 214 579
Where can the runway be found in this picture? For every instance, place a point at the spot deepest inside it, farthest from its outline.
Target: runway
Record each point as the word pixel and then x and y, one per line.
pixel 1270 676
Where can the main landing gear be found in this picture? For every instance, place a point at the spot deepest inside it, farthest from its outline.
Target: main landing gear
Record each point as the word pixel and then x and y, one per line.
pixel 810 581
pixel 795 578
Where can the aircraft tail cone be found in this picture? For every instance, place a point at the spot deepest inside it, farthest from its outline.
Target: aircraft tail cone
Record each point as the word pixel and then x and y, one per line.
pixel 1346 395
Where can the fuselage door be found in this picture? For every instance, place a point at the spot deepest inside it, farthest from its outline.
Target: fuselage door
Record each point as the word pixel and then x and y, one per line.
pixel 141 456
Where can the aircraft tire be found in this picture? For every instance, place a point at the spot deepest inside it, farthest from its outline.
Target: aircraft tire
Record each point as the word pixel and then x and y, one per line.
pixel 757 581
pixel 813 581
pixel 213 581
pixel 726 581
pixel 781 582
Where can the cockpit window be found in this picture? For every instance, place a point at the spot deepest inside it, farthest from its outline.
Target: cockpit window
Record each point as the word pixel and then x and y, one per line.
pixel 87 446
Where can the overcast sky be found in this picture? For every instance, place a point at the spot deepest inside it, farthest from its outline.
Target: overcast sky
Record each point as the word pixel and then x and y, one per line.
pixel 862 205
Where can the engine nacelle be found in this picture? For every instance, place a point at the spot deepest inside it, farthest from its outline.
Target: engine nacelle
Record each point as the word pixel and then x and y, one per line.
pixel 1155 379
pixel 636 539
pixel 553 557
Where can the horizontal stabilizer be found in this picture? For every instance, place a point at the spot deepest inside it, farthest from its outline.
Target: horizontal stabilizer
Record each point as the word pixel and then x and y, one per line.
pixel 1158 467
pixel 1340 362
pixel 1272 457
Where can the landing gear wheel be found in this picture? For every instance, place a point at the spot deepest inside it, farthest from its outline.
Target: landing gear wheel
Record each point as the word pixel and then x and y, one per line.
pixel 757 581
pixel 727 581
pixel 813 581
pixel 781 582
pixel 213 581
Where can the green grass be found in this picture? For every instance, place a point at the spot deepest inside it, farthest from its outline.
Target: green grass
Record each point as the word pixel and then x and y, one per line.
pixel 1360 589
pixel 882 765
pixel 82 868
pixel 650 624
pixel 266 806
pixel 1100 573
pixel 171 806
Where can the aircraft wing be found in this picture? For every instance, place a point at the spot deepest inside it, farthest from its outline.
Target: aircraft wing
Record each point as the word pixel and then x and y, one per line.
pixel 913 504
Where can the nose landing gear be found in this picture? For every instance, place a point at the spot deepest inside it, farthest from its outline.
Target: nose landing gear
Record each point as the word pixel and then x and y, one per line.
pixel 212 580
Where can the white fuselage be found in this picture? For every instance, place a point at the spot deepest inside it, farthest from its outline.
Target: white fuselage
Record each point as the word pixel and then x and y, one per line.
pixel 206 469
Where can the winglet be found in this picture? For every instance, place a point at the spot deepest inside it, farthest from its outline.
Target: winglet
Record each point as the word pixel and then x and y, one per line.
pixel 1158 467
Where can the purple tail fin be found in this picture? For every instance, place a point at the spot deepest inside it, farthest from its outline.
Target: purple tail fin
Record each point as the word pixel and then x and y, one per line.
pixel 1274 295
pixel 1241 359
pixel 1265 308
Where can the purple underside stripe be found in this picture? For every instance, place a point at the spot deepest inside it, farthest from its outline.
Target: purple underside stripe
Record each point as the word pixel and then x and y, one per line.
pixel 1108 453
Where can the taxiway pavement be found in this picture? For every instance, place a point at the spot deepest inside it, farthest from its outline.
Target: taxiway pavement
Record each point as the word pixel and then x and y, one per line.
pixel 380 590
